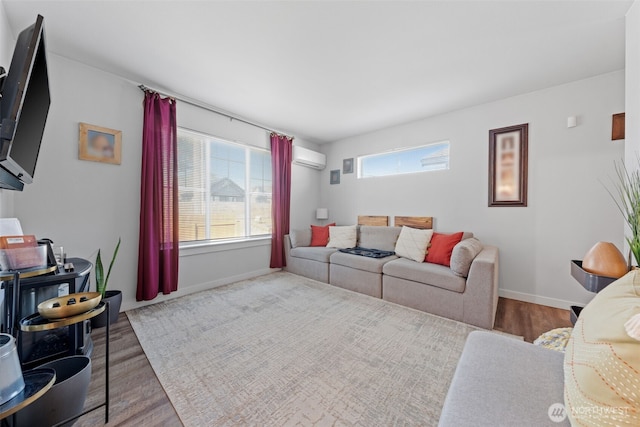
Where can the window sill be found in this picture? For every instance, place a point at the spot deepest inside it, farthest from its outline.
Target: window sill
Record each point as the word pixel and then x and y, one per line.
pixel 198 248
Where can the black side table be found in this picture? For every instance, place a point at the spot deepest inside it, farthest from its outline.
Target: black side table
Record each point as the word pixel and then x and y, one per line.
pixel 33 280
pixel 36 322
pixel 591 282
pixel 36 383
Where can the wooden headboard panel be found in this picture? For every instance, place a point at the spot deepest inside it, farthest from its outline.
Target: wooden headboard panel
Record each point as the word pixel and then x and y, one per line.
pixel 373 220
pixel 424 222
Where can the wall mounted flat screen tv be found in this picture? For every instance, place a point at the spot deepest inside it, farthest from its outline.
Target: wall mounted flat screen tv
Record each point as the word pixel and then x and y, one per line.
pixel 24 106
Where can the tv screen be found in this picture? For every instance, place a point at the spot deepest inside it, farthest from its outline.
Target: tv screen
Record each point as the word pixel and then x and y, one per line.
pixel 25 104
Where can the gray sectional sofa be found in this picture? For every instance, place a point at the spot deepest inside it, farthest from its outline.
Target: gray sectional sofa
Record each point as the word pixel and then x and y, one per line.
pixel 469 294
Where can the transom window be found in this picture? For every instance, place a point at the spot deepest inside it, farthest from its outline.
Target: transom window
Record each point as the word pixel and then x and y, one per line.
pixel 224 188
pixel 426 158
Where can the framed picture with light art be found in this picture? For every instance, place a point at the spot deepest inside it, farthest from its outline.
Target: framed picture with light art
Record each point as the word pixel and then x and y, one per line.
pixel 508 148
pixel 99 144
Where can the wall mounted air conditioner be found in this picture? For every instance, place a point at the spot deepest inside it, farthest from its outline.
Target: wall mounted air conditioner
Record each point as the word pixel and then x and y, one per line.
pixel 309 158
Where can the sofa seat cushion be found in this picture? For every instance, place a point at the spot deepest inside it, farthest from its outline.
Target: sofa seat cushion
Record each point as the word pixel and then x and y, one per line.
pixel 501 381
pixel 426 273
pixel 372 265
pixel 314 253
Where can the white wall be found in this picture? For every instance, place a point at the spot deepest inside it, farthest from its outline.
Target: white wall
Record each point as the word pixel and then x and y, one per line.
pixel 305 192
pixel 6 51
pixel 632 85
pixel 86 205
pixel 569 209
pixel 6 39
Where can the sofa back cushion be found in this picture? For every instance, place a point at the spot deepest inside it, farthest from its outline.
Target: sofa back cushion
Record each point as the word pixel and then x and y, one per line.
pixel 300 238
pixel 602 361
pixel 412 243
pixel 463 255
pixel 383 238
pixel 342 237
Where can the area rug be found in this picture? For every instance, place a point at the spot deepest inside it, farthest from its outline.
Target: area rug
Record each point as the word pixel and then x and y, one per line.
pixel 283 350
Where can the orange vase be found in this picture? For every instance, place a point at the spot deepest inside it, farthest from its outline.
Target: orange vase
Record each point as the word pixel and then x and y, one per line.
pixel 604 259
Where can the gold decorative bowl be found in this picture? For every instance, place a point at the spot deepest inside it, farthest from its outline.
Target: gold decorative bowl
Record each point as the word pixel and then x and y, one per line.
pixel 69 305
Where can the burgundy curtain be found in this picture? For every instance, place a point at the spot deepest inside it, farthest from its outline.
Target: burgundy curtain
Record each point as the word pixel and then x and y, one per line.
pixel 158 247
pixel 281 147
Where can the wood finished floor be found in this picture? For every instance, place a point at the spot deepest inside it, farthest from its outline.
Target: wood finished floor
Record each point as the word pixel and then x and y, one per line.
pixel 136 396
pixel 529 320
pixel 138 399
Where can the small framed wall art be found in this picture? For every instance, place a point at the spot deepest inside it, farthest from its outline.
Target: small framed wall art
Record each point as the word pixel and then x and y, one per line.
pixel 347 166
pixel 617 127
pixel 508 149
pixel 334 177
pixel 99 144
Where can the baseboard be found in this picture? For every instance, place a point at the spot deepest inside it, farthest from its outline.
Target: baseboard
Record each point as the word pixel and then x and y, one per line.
pixel 201 287
pixel 228 280
pixel 536 299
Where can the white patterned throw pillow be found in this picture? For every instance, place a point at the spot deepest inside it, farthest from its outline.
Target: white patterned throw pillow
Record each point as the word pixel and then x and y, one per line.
pixel 342 236
pixel 413 243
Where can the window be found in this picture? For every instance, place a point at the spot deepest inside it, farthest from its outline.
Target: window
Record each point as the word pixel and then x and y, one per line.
pixel 224 189
pixel 426 158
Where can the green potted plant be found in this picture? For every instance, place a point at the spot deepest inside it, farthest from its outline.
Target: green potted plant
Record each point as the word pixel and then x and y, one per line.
pixel 114 297
pixel 628 202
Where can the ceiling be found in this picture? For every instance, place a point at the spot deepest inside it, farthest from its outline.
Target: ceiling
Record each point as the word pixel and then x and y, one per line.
pixel 326 70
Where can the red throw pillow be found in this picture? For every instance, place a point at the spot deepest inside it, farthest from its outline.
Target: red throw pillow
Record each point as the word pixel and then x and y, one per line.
pixel 441 248
pixel 320 234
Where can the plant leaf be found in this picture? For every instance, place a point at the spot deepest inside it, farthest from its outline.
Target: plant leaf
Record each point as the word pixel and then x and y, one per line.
pixel 113 259
pixel 627 190
pixel 100 283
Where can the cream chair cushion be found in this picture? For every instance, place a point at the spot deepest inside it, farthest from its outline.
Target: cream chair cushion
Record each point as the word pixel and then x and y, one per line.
pixel 602 362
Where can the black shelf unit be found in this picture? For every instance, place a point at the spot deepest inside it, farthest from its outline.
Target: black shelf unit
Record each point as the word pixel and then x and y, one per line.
pixel 591 282
pixel 74 339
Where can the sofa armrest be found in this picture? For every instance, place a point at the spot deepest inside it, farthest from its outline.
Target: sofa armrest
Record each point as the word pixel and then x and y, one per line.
pixel 287 248
pixel 480 299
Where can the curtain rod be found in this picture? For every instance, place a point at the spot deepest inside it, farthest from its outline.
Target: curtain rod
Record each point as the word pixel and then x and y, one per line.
pixel 208 107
